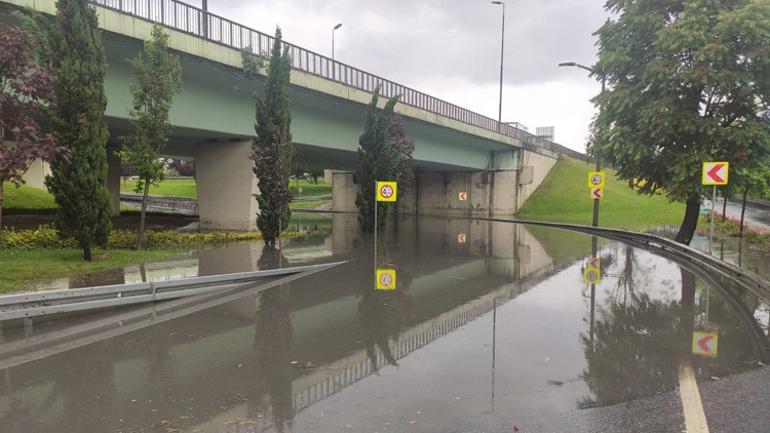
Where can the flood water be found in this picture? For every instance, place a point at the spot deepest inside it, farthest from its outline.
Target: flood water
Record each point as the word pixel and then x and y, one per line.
pixel 490 327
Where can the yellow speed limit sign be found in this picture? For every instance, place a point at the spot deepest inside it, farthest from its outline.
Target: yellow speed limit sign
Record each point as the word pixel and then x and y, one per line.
pixel 596 179
pixel 592 273
pixel 387 191
pixel 386 279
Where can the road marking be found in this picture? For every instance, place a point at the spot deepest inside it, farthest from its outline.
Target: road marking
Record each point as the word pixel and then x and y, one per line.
pixel 694 417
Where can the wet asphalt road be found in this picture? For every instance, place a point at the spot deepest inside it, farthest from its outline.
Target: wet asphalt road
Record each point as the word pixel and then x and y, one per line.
pixel 493 331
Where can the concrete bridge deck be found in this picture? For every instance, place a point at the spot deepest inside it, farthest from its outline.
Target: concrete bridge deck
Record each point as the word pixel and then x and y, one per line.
pixel 213 118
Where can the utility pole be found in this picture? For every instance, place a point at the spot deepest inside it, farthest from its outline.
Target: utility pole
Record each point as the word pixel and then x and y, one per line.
pixel 502 57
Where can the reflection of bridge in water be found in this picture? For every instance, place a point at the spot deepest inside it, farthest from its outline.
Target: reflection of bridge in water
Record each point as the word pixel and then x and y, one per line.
pixel 319 385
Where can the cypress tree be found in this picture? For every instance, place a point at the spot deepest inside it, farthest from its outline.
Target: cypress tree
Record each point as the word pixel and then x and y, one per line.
pixel 272 149
pixel 384 153
pixel 77 115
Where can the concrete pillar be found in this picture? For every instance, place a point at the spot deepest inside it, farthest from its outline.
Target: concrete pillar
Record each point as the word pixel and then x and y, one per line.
pixel 503 261
pixel 504 192
pixel 226 186
pixel 113 180
pixel 407 198
pixel 346 233
pixel 344 191
pixel 36 173
pixel 432 193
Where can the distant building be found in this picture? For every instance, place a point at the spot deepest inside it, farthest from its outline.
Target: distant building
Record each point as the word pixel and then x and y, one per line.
pixel 517 125
pixel 547 132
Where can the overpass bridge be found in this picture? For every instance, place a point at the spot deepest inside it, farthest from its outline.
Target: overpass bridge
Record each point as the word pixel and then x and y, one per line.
pixel 456 149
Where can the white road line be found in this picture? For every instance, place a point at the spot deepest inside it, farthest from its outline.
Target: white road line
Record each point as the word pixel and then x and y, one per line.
pixel 694 417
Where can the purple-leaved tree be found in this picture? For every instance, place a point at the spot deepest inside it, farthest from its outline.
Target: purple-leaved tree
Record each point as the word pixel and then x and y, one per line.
pixel 25 90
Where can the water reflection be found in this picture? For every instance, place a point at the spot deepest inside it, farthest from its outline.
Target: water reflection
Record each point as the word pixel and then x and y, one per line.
pixel 321 353
pixel 272 343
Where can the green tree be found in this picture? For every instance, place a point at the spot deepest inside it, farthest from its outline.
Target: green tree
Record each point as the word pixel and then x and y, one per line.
pixel 753 182
pixel 384 153
pixel 77 117
pixel 158 78
pixel 272 149
pixel 688 83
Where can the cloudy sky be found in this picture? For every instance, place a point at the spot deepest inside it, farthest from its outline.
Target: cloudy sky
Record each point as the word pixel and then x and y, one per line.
pixel 451 48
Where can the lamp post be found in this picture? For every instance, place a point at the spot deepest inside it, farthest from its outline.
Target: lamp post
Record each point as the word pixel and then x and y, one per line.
pixel 205 18
pixel 594 241
pixel 598 163
pixel 334 30
pixel 502 52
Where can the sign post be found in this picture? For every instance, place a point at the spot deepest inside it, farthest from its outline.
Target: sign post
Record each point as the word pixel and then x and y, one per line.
pixel 596 185
pixel 592 273
pixel 385 191
pixel 713 174
pixel 705 344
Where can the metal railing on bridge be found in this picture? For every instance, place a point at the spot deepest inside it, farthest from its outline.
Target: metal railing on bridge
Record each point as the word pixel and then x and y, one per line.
pixel 195 21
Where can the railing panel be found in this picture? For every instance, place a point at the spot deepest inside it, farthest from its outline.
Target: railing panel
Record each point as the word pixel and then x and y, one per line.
pixel 189 19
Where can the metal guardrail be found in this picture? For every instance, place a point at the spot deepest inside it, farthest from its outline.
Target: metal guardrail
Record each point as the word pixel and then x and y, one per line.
pixel 665 247
pixel 33 304
pixel 189 19
pixel 36 346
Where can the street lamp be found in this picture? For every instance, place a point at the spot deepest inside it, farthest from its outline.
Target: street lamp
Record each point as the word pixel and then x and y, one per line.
pixel 333 30
pixel 598 164
pixel 502 51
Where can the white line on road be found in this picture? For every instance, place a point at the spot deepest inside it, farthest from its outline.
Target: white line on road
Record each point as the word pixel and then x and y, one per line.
pixel 694 417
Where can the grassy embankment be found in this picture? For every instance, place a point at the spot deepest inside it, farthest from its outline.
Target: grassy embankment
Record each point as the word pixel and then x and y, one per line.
pixel 564 197
pixel 184 187
pixel 26 199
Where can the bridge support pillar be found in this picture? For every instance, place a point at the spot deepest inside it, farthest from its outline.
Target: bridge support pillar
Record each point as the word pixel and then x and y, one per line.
pixel 113 180
pixel 344 190
pixel 226 186
pixel 36 173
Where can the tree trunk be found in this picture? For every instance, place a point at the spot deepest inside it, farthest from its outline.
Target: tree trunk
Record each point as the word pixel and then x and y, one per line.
pixel 87 254
pixel 140 244
pixel 724 207
pixel 690 222
pixel 743 208
pixel 631 183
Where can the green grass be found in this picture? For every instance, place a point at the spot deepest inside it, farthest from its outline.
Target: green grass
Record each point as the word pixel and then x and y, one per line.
pixel 564 197
pixel 20 267
pixel 170 187
pixel 312 204
pixel 310 189
pixel 187 188
pixel 26 197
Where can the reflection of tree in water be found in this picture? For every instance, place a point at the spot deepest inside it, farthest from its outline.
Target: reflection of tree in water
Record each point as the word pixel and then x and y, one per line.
pixel 382 313
pixel 271 258
pixel 634 351
pixel 272 341
pixel 636 346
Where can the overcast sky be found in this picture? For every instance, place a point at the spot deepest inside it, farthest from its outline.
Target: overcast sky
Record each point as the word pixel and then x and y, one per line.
pixel 451 49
